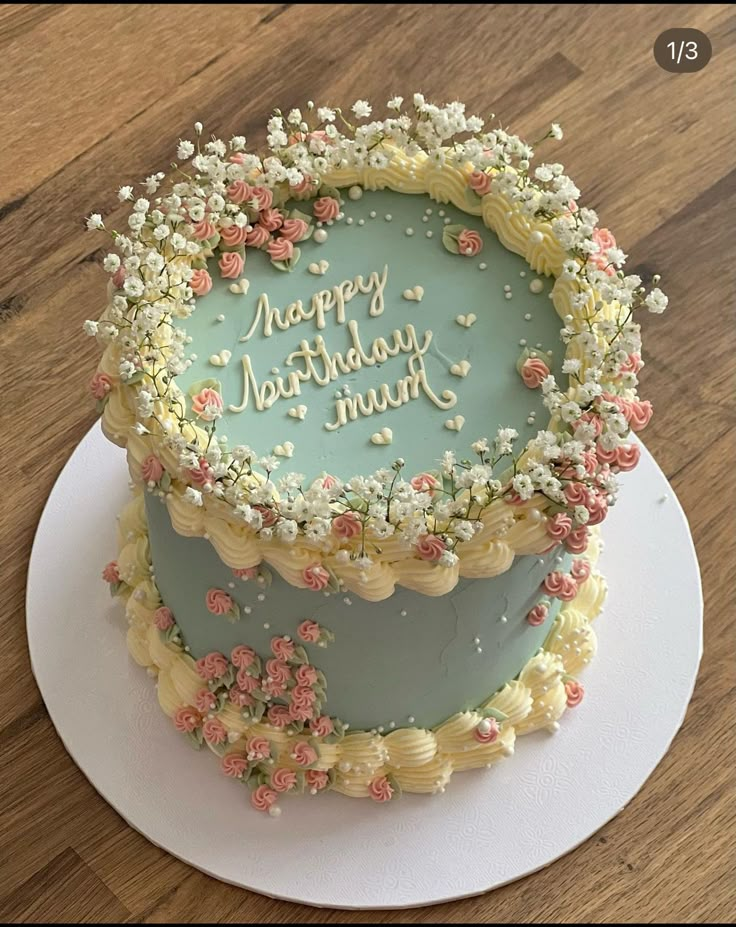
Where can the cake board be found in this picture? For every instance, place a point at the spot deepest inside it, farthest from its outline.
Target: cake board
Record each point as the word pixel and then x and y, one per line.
pixel 489 828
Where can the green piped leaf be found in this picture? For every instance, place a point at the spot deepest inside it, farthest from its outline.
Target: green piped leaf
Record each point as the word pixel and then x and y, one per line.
pixel 299 657
pixel 326 190
pixel 394 785
pixel 471 197
pixel 195 738
pixel 199 385
pixel 298 214
pixel 290 263
pixel 233 614
pixel 450 235
pixel 494 713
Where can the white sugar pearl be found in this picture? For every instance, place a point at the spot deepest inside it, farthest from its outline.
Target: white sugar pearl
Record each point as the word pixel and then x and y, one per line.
pixel 536 285
pixel 274 811
pixel 320 236
pixel 220 318
pixel 429 233
pixel 410 232
pixel 441 213
pixel 537 237
pixel 507 288
pixel 349 220
pixel 425 218
pixel 361 221
pixel 522 342
pixel 403 613
pixel 266 626
pixel 528 316
pixel 485 726
pixel 388 217
pixel 503 619
pixel 355 192
pixel 411 719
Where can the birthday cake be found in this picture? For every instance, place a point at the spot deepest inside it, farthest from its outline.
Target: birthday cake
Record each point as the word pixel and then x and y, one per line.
pixel 376 384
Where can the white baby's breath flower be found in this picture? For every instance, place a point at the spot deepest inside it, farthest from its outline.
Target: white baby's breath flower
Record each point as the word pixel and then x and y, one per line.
pixel 133 287
pixel 90 327
pixel 125 193
pixel 95 222
pixel 656 301
pixel 185 150
pixel 111 263
pixel 193 496
pixel 362 109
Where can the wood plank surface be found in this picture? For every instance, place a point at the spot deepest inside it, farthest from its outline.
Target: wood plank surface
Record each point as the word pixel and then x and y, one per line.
pixel 94 96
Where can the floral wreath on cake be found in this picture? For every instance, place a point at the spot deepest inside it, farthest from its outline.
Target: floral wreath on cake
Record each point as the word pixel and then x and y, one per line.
pixel 469 517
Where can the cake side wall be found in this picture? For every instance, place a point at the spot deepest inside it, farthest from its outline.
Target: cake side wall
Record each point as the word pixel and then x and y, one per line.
pixel 409 657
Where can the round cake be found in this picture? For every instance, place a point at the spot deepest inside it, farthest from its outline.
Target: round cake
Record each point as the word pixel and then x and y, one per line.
pixel 376 384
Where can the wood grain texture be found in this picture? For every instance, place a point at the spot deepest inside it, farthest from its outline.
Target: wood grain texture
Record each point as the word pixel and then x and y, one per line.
pixel 95 96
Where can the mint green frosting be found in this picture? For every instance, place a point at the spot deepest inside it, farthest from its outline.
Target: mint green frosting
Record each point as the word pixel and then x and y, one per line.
pixel 383 666
pixel 492 394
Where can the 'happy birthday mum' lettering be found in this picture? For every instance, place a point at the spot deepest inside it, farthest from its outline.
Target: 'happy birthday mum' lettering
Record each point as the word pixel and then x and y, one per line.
pixel 313 361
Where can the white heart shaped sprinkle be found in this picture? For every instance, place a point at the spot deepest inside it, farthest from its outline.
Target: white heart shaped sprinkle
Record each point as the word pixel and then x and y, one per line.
pixel 384 436
pixel 466 320
pixel 242 286
pixel 298 412
pixel 461 369
pixel 221 359
pixel 415 293
pixel 455 424
pixel 284 450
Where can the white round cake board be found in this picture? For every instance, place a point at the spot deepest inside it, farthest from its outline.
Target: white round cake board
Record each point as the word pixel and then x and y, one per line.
pixel 490 826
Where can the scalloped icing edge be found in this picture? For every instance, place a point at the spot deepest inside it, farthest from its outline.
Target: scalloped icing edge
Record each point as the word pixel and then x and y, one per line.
pixel 418 760
pixel 509 530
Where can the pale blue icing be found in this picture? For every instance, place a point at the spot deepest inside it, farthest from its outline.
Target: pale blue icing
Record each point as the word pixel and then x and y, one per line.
pixel 383 666
pixel 492 395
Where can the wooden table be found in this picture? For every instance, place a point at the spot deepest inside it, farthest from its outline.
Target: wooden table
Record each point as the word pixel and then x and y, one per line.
pixel 95 96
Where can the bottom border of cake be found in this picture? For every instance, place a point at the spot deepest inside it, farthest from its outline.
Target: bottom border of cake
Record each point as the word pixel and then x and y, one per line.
pixel 274 760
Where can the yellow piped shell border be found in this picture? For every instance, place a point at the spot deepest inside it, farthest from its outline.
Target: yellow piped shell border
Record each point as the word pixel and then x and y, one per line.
pixel 419 760
pixel 508 530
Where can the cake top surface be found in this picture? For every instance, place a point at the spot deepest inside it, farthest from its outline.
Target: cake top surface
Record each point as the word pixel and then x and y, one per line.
pixel 466 446
pixel 384 308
